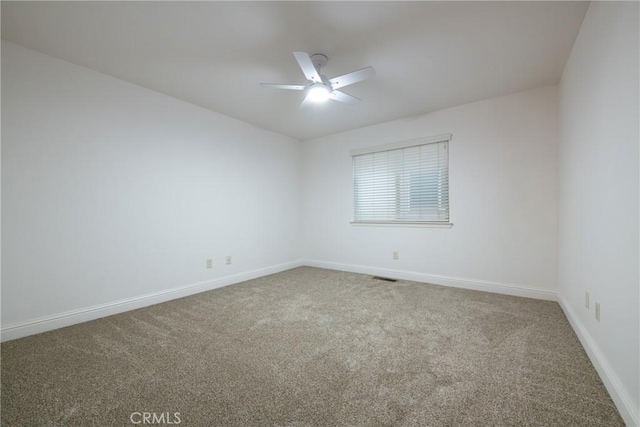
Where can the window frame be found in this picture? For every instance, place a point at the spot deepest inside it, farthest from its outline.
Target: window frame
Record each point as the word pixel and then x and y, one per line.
pixel 395 146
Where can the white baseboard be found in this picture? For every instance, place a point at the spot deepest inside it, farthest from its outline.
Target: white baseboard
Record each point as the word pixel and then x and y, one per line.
pixel 48 323
pixel 626 406
pixel 60 320
pixel 455 282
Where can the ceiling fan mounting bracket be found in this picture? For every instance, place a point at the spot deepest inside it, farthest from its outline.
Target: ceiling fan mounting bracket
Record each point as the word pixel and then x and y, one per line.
pixel 319 61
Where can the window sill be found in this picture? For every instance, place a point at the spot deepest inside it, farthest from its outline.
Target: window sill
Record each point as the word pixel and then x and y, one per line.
pixel 403 224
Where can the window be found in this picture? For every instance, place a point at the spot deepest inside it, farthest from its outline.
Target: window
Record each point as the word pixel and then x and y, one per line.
pixel 403 183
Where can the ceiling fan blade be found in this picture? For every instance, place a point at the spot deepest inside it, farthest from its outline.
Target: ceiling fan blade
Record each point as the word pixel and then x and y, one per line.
pixel 337 95
pixel 307 66
pixel 277 86
pixel 353 77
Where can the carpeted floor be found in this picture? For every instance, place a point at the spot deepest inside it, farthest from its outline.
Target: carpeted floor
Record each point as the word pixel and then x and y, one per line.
pixel 312 347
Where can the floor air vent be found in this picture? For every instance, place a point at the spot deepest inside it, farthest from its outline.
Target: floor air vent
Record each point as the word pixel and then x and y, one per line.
pixel 386 279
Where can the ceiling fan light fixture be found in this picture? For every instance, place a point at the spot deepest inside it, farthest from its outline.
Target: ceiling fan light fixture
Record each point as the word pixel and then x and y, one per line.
pixel 318 93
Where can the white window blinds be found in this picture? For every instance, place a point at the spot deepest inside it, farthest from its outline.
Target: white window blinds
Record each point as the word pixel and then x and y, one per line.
pixel 404 183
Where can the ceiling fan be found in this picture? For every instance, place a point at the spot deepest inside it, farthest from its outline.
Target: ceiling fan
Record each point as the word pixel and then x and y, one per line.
pixel 319 88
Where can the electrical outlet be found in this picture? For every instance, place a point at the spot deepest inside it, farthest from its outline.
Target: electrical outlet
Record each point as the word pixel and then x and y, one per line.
pixel 209 263
pixel 228 260
pixel 396 255
pixel 597 311
pixel 586 299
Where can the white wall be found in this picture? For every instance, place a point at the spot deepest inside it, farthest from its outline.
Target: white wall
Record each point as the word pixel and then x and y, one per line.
pixel 111 191
pixel 503 196
pixel 599 192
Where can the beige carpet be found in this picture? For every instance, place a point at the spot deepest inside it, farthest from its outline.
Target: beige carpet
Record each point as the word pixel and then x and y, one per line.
pixel 312 347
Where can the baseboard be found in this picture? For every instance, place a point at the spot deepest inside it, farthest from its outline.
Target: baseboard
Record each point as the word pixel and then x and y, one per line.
pixel 47 323
pixel 455 282
pixel 626 406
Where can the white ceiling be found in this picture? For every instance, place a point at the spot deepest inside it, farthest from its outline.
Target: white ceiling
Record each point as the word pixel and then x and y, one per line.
pixel 427 55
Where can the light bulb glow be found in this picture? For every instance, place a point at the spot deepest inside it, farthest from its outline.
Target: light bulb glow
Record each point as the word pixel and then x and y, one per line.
pixel 318 93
